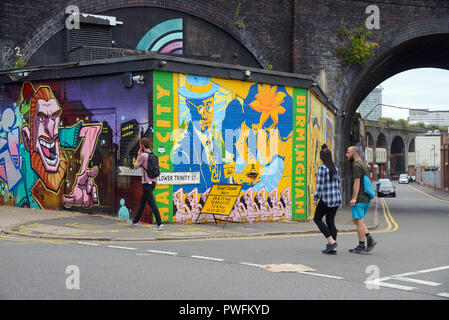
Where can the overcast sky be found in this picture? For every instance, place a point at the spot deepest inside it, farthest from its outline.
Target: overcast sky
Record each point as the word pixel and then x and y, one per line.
pixel 425 88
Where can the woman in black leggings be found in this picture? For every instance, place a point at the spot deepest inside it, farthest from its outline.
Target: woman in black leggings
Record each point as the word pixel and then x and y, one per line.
pixel 327 197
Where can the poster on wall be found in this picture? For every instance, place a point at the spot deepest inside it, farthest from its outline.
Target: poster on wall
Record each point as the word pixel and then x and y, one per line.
pixel 321 130
pixel 231 132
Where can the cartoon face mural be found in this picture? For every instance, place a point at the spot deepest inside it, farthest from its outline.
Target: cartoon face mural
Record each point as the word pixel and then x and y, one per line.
pixel 43 165
pixel 63 142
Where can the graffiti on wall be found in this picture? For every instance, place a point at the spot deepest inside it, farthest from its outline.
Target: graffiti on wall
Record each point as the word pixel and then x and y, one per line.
pixel 229 132
pixel 62 141
pixel 35 151
pixel 320 130
pixel 166 37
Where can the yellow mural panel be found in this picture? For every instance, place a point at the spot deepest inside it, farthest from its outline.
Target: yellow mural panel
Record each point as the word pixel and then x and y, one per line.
pixel 258 118
pixel 321 129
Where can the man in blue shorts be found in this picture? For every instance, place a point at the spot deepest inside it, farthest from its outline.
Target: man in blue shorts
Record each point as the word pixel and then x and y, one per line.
pixel 360 201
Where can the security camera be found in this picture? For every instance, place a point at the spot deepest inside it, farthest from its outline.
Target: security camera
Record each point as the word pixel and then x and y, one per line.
pixel 138 79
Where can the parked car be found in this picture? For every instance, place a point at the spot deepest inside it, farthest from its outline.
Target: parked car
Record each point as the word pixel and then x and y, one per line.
pixel 404 178
pixel 386 189
pixel 379 182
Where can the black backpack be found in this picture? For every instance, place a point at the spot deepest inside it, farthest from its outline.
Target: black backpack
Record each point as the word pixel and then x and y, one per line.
pixel 153 168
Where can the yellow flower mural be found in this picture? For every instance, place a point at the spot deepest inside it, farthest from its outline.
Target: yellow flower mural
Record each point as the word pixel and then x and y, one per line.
pixel 268 103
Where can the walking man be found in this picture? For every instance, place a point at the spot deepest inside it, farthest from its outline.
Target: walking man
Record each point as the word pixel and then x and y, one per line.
pixel 148 185
pixel 360 201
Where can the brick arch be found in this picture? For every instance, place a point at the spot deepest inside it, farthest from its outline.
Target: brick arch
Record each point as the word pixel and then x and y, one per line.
pixel 416 45
pixel 195 8
pixel 381 140
pixel 419 44
pixel 370 139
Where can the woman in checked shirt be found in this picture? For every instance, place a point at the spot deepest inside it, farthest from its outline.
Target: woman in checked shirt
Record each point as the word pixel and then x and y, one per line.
pixel 327 197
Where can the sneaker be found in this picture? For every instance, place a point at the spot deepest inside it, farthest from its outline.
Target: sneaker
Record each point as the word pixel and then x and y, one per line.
pixel 359 249
pixel 132 224
pixel 370 243
pixel 158 228
pixel 333 252
pixel 330 247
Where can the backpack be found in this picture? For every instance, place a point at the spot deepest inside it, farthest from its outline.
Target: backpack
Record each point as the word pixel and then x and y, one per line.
pixel 368 187
pixel 153 168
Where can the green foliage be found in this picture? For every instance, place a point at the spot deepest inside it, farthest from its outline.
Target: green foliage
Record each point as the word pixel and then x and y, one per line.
pixel 400 124
pixel 357 49
pixel 238 21
pixel 420 124
pixel 268 65
pixel 404 125
pixel 19 60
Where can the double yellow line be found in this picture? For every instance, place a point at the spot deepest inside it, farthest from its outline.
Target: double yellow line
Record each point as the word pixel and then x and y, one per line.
pixel 392 225
pixel 428 194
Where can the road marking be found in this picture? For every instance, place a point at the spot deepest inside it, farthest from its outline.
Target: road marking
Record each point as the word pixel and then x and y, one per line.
pixel 251 264
pixel 433 269
pixel 392 225
pixel 207 258
pixel 443 294
pixel 427 283
pixel 379 282
pixel 88 243
pixel 124 248
pixel 404 277
pixel 428 194
pixel 163 252
pixel 321 275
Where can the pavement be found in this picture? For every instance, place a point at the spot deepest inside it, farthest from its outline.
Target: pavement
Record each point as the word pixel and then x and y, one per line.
pixel 69 225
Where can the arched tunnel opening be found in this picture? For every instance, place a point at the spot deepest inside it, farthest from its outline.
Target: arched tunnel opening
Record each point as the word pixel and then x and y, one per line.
pixel 428 51
pixel 397 158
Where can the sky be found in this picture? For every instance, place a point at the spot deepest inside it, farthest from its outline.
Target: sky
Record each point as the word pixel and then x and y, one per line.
pixel 424 88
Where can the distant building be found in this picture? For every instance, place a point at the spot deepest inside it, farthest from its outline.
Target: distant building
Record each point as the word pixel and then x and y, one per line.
pixel 371 107
pixel 439 118
pixel 427 148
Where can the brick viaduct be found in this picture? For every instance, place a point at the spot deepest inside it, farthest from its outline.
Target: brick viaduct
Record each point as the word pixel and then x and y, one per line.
pixel 297 36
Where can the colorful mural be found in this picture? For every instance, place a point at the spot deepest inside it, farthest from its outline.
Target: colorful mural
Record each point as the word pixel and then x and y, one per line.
pixel 166 37
pixel 71 145
pixel 62 141
pixel 39 163
pixel 320 130
pixel 229 132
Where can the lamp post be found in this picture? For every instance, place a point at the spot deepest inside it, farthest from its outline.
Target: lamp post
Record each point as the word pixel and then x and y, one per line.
pixel 434 168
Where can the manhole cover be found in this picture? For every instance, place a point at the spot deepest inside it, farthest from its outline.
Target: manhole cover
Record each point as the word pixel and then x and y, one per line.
pixel 287 267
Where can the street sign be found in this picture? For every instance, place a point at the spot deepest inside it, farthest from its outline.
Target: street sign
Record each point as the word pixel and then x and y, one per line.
pixel 221 199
